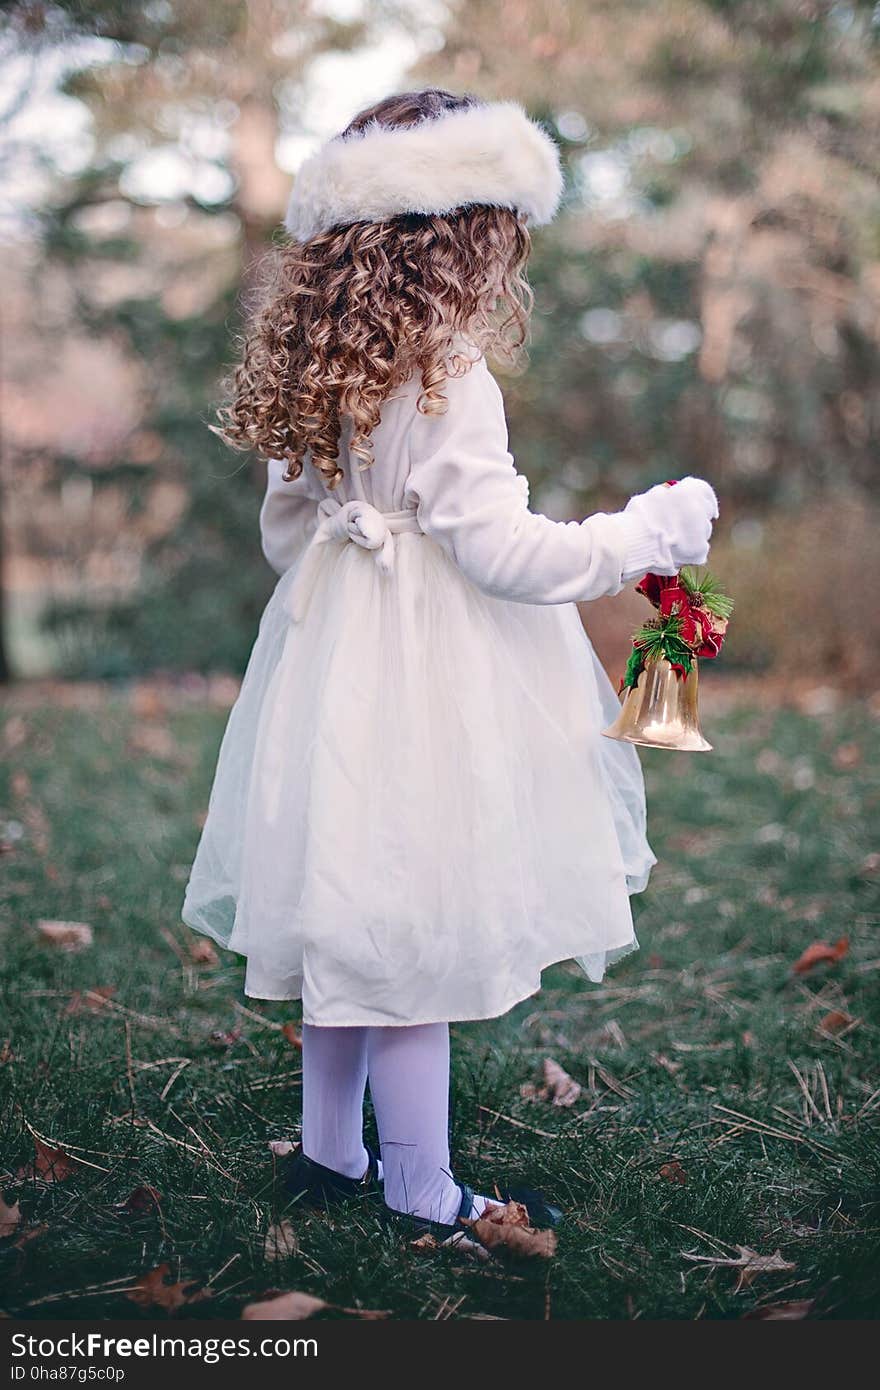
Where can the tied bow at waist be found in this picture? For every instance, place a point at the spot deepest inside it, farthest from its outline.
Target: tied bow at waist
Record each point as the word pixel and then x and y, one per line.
pixel 355 521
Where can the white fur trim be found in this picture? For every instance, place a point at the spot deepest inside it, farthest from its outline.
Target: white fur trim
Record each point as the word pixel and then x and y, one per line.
pixel 490 154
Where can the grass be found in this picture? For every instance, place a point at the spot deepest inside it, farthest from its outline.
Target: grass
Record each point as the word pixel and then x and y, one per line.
pixel 716 1110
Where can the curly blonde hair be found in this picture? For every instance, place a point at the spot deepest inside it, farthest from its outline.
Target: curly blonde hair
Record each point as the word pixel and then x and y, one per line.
pixel 346 317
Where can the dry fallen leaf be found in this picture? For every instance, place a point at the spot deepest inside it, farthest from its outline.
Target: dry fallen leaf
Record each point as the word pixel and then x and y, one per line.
pixel 292 1034
pixel 425 1242
pixel 49 1164
pixel 562 1088
pixel 285 1307
pixel 463 1245
pixel 297 1307
pixel 795 1311
pixel 837 1021
pixel 10 1219
pixel 458 1241
pixel 69 936
pixel 559 1088
pixel 748 1262
pixel 91 999
pixel 201 952
pixel 673 1172
pixel 152 1291
pixel 818 953
pixel 280 1242
pixel 506 1231
pixel 142 1199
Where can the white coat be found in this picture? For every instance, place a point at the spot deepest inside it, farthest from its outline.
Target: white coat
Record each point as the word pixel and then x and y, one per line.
pixel 414 811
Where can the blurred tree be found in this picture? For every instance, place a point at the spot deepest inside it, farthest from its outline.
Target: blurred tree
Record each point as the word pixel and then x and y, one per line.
pixel 711 299
pixel 192 99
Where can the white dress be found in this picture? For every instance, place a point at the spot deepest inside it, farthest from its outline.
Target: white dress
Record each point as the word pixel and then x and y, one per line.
pixel 414 811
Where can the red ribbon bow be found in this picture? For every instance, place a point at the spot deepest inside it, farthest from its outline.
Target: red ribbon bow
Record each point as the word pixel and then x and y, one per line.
pixel 701 630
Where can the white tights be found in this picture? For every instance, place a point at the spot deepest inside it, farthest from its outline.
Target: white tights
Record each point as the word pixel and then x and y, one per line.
pixel 408 1070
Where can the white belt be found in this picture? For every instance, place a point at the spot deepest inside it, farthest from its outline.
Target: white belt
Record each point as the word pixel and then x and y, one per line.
pixel 355 521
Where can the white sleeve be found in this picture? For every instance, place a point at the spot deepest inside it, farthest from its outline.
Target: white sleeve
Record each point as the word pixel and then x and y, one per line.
pixel 288 517
pixel 472 501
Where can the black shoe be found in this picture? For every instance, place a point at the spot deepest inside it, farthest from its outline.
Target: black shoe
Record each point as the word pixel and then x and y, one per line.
pixel 542 1213
pixel 417 1226
pixel 323 1187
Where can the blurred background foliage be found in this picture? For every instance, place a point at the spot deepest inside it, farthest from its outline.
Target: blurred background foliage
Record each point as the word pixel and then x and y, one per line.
pixel 708 302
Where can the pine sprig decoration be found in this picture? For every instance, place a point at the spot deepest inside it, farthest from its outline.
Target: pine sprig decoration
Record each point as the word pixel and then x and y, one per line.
pixel 690 620
pixel 655 640
pixel 651 637
pixel 662 638
pixel 719 604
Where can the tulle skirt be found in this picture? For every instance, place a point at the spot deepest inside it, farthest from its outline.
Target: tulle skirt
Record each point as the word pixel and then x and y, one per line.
pixel 414 811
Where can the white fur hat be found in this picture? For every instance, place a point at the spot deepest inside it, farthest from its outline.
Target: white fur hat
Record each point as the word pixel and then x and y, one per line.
pixel 490 153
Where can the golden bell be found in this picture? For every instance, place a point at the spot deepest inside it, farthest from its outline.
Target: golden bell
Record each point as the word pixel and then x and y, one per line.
pixel 660 711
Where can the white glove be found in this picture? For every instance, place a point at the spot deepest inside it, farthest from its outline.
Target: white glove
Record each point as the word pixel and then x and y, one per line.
pixel 668 527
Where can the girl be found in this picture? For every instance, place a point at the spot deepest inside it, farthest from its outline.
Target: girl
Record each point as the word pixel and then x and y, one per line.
pixel 414 812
